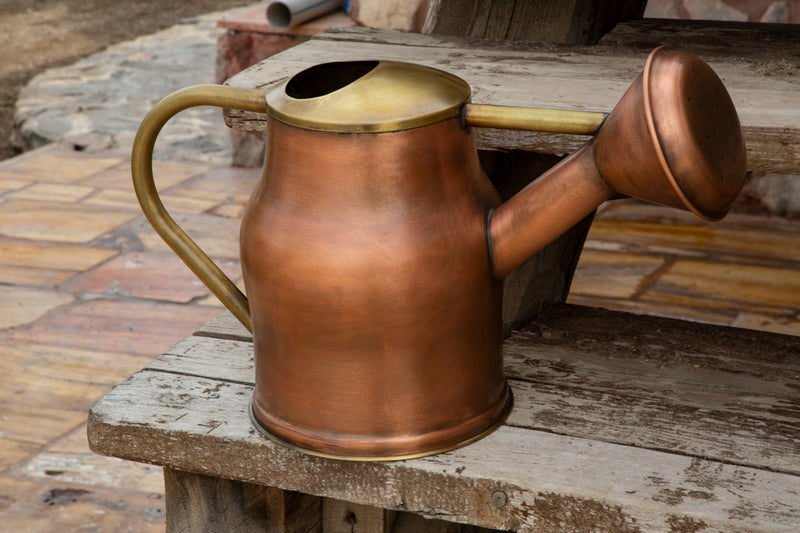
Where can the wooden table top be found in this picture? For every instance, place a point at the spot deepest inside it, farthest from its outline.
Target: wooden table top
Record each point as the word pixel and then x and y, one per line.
pixel 757 63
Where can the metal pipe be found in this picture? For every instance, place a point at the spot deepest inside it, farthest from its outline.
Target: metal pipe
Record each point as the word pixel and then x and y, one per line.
pixel 283 15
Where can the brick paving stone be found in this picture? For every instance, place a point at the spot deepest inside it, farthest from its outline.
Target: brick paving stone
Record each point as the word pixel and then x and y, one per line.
pixel 174 204
pixel 12 489
pixel 683 308
pixel 72 507
pixel 50 192
pixel 56 165
pixel 738 286
pixel 217 236
pixel 76 365
pixel 36 423
pixel 741 271
pixel 15 449
pixel 19 384
pixel 36 277
pixel 52 221
pixel 649 229
pixel 788 325
pixel 155 276
pixel 113 198
pixel 613 274
pixel 131 327
pixel 71 461
pixel 22 305
pixel 167 174
pixel 10 181
pixel 49 256
pixel 228 210
pixel 220 184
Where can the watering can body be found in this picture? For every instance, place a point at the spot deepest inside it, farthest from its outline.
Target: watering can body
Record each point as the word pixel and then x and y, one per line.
pixel 376 317
pixel 374 247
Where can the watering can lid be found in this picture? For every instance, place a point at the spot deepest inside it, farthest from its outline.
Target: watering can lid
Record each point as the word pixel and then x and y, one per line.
pixel 367 97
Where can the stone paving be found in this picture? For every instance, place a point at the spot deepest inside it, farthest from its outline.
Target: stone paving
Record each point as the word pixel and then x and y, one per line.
pixel 99 101
pixel 90 294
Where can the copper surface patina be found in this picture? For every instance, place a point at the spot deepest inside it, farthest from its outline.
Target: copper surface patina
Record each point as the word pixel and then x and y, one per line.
pixel 374 246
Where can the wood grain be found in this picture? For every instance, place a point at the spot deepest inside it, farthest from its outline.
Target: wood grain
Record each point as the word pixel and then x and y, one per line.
pixel 560 21
pixel 197 502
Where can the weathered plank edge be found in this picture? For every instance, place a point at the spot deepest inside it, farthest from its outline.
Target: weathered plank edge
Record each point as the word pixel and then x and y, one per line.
pixel 174 421
pixel 585 407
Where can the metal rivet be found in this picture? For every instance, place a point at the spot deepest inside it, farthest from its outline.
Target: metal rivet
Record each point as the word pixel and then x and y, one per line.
pixel 499 498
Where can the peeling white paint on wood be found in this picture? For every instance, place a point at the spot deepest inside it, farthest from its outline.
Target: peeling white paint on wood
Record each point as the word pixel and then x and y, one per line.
pixel 580 444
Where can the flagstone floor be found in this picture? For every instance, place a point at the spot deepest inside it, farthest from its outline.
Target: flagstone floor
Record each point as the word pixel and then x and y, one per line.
pixel 89 294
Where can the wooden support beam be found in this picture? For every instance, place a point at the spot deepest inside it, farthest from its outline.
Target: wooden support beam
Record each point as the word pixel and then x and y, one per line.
pixel 557 21
pixel 196 502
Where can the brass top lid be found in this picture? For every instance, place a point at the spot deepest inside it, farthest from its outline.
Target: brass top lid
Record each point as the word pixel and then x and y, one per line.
pixel 367 97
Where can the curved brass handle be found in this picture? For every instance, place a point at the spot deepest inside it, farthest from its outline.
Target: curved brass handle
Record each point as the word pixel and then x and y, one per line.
pixel 142 171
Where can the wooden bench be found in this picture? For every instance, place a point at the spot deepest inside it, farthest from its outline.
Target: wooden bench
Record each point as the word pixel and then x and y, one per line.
pixel 620 423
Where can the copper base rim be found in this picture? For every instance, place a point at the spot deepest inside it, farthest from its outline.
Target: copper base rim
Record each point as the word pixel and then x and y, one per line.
pixel 496 423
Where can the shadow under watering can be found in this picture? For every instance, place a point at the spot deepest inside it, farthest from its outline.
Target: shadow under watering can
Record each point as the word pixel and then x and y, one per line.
pixel 374 247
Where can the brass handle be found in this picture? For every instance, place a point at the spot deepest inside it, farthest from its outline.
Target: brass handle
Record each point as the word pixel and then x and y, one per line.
pixel 533 119
pixel 142 171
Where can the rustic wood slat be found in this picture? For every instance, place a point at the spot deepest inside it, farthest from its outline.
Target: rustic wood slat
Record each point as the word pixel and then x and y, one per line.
pixel 562 21
pixel 722 400
pixel 654 383
pixel 576 77
pixel 515 478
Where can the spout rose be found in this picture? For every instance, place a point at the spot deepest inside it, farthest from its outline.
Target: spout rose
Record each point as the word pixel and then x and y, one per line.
pixel 673 139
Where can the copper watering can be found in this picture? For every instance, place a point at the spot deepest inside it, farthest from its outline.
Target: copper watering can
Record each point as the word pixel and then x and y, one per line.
pixel 374 247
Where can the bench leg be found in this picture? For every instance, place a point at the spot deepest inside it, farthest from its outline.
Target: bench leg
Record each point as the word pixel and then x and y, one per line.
pixel 346 517
pixel 198 503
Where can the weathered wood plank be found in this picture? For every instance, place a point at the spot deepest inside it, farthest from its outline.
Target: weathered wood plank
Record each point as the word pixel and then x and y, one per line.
pixel 196 502
pixel 225 326
pixel 662 384
pixel 568 77
pixel 694 364
pixel 513 479
pixel 681 417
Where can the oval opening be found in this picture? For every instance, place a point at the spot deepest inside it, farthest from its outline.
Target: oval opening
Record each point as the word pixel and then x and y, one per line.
pixel 327 78
pixel 279 16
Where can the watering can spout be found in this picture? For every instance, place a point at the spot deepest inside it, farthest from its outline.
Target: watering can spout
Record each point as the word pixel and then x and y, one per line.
pixel 673 139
